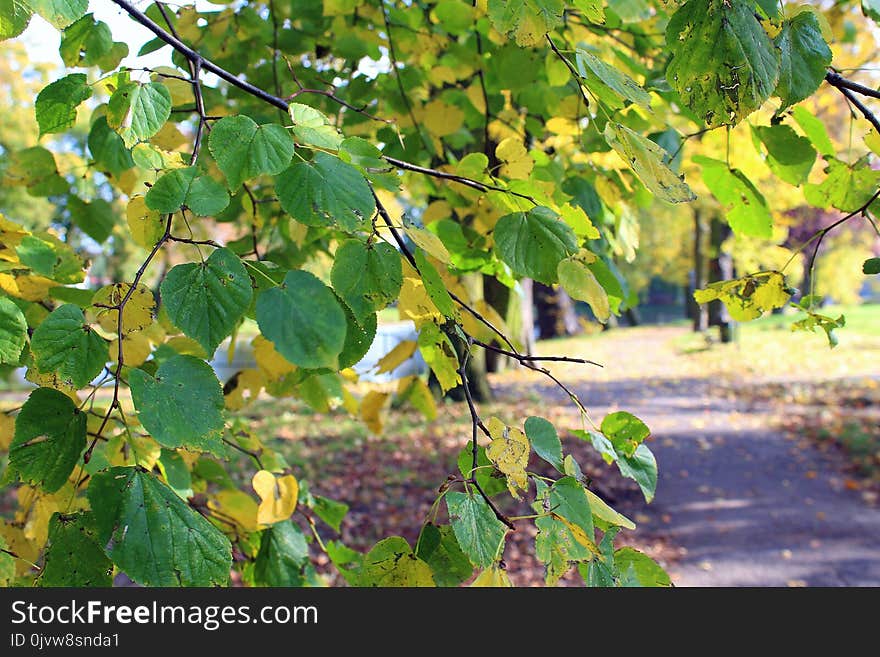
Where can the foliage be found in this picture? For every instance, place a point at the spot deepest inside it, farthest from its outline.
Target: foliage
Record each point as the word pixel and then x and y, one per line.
pixel 369 153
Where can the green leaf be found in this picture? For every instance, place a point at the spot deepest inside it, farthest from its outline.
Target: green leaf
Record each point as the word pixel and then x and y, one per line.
pixel 35 168
pixel 185 187
pixel 244 150
pixel 805 58
pixel 724 66
pixel 646 159
pixel 14 18
pixel 359 336
pixel 74 557
pixel 569 500
pixel 744 206
pixel 95 218
pixel 637 569
pixel 107 148
pixel 480 534
pixel 592 10
pixel 642 468
pixel 154 536
pixel 176 473
pixel 533 243
pixel 581 283
pixel 434 285
pixel 7 561
pixel 50 435
pixel 526 21
pixel 89 43
pixel 625 431
pixel 330 511
pixel 60 13
pixel 207 299
pixel 367 276
pixel 36 254
pixel 283 554
pixel 304 320
pixel 545 442
pixel 555 546
pixel 13 332
pixel 814 129
pixel 871 9
pixel 603 513
pixel 181 406
pixel 138 111
pixel 56 104
pixel 324 192
pixel 438 547
pixel 846 187
pixel 484 474
pixel 789 155
pixel 598 75
pixel 65 345
pixel 871 266
pixel 391 562
pixel 313 128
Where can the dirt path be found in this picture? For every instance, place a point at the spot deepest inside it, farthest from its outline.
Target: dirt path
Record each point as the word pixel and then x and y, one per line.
pixel 744 504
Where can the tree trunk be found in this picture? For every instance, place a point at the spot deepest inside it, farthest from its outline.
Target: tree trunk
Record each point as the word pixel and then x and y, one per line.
pixel 556 315
pixel 527 316
pixel 632 316
pixel 721 269
pixel 501 298
pixel 698 312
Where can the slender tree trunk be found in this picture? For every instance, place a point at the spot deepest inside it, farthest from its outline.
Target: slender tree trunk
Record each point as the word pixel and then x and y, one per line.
pixel 699 313
pixel 527 315
pixel 632 316
pixel 556 315
pixel 721 269
pixel 501 298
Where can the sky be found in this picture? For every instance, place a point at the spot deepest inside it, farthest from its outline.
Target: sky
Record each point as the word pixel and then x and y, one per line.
pixel 42 40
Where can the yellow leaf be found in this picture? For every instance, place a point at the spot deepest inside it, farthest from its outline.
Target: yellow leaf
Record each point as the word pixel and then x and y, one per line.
pixel 415 304
pixel 401 353
pixel 872 141
pixel 247 381
pixel 474 94
pixel 51 380
pixel 435 211
pixel 440 356
pixel 278 495
pixel 580 223
pixel 11 235
pixel 169 137
pixel 581 283
pixel 750 296
pixel 509 452
pixel 7 430
pixel 27 549
pixel 372 406
pixel 442 119
pixel 136 349
pixel 492 577
pixel 237 506
pixel 429 243
pixel 517 163
pixel 562 126
pixel 145 225
pixel 158 159
pixel 273 365
pixel 601 510
pixel 138 311
pixel 417 392
pixel 187 346
pixel 478 329
pixel 26 286
pixel 349 403
pixel 181 90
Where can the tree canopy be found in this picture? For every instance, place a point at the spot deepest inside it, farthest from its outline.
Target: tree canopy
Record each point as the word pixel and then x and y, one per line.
pixel 297 167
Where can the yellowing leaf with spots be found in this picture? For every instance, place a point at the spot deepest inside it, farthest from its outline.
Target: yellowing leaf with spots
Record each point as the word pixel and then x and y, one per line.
pixel 146 226
pixel 492 577
pixel 138 311
pixel 517 162
pixel 372 407
pixel 25 286
pixel 578 533
pixel 442 119
pixel 401 353
pixel 748 297
pixel 242 389
pixel 509 452
pixel 278 496
pixel 414 302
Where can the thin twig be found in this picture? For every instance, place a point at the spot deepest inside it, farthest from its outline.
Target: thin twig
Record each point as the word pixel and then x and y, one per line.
pixel 523 357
